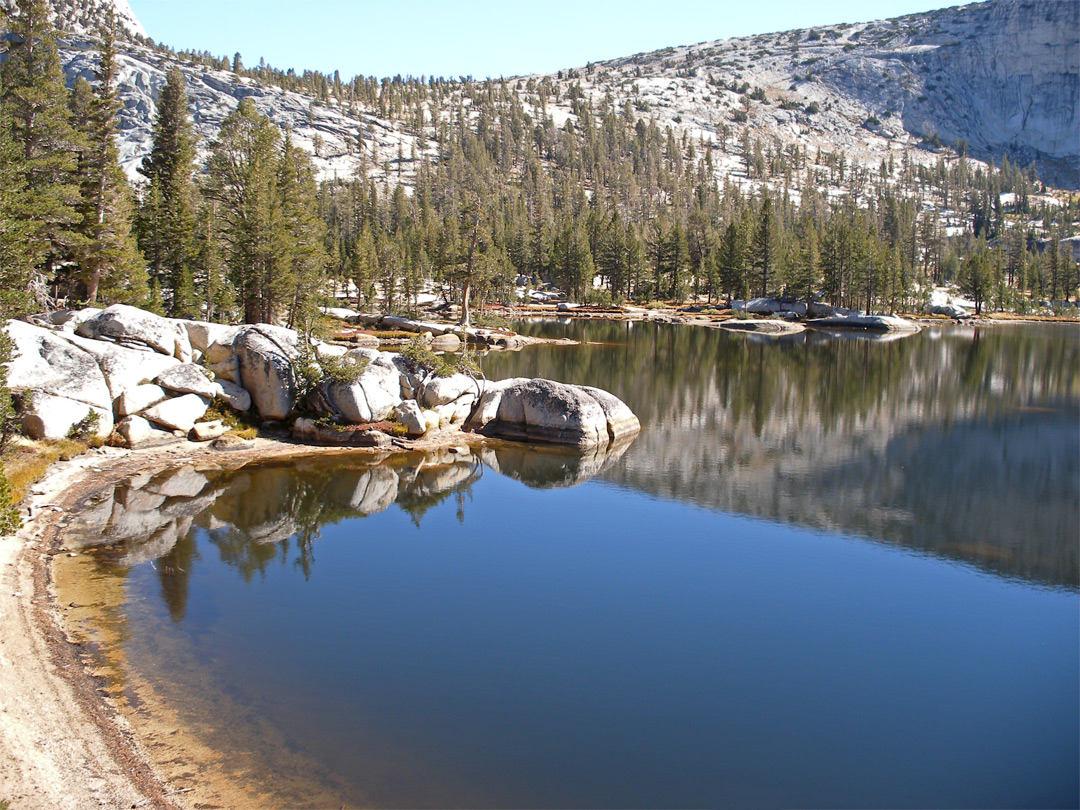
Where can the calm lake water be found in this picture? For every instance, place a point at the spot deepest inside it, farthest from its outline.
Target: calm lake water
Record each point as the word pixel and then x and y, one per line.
pixel 830 572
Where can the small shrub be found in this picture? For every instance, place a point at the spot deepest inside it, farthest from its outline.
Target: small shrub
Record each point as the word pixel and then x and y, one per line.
pixel 599 297
pixel 388 334
pixel 489 320
pixel 86 427
pixel 445 365
pixel 344 370
pixel 10 522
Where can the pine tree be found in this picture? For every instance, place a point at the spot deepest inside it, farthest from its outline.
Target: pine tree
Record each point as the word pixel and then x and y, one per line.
pixel 976 276
pixel 764 245
pixel 167 218
pixel 36 96
pixel 243 180
pixel 19 254
pixel 218 300
pixel 108 254
pixel 305 232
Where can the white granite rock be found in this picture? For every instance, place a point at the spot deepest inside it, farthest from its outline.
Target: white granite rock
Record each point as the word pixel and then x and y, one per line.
pixel 179 413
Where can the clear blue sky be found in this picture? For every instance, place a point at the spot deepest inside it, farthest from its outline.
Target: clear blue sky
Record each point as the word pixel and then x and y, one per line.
pixel 483 38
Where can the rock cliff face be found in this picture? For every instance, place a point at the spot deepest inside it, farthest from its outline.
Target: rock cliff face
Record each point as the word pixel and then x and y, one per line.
pixel 1004 76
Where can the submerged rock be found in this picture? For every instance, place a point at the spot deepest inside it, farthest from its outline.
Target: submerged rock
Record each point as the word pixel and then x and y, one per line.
pixel 770 326
pixel 880 323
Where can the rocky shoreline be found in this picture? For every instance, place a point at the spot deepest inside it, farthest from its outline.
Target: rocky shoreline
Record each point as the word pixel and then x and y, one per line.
pixel 67 742
pixel 138 379
pixel 144 385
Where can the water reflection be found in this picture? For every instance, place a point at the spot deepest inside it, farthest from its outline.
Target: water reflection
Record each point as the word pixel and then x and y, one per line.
pixel 273 512
pixel 964 442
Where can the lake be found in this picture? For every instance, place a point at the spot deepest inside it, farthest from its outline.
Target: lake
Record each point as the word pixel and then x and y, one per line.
pixel 830 571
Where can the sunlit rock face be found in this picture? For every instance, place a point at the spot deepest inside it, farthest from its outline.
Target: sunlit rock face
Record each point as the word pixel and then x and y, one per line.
pixel 1001 75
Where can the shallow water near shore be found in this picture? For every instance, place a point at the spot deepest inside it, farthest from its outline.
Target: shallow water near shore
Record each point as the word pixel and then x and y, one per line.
pixel 830 571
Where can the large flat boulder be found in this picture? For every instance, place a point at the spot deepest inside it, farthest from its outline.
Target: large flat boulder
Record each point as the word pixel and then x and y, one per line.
pixel 202 334
pixel 548 411
pixel 768 326
pixel 178 413
pixel 187 378
pixel 871 323
pixel 138 399
pixel 124 323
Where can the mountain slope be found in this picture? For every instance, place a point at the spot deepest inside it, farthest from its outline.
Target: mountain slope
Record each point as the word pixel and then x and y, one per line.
pixel 1002 76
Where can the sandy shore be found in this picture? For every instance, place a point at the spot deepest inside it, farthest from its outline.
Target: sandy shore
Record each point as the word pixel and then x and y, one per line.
pixel 63 741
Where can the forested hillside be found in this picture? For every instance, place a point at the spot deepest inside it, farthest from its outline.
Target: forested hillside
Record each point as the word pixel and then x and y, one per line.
pixel 599 181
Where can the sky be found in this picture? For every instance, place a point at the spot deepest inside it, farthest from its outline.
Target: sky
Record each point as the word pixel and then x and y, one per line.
pixel 481 38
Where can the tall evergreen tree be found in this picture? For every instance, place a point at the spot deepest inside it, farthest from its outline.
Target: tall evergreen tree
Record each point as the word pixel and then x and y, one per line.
pixel 167 218
pixel 19 252
pixel 36 96
pixel 108 252
pixel 243 180
pixel 764 245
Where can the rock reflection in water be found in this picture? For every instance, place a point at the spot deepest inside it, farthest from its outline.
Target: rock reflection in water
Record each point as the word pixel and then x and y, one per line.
pixel 547 467
pixel 271 512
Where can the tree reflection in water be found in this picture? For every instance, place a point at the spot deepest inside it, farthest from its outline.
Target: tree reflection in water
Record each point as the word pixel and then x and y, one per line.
pixel 964 442
pixel 271 513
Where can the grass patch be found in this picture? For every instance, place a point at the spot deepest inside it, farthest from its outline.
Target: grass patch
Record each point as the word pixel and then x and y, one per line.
pixel 241 425
pixel 388 334
pixel 24 464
